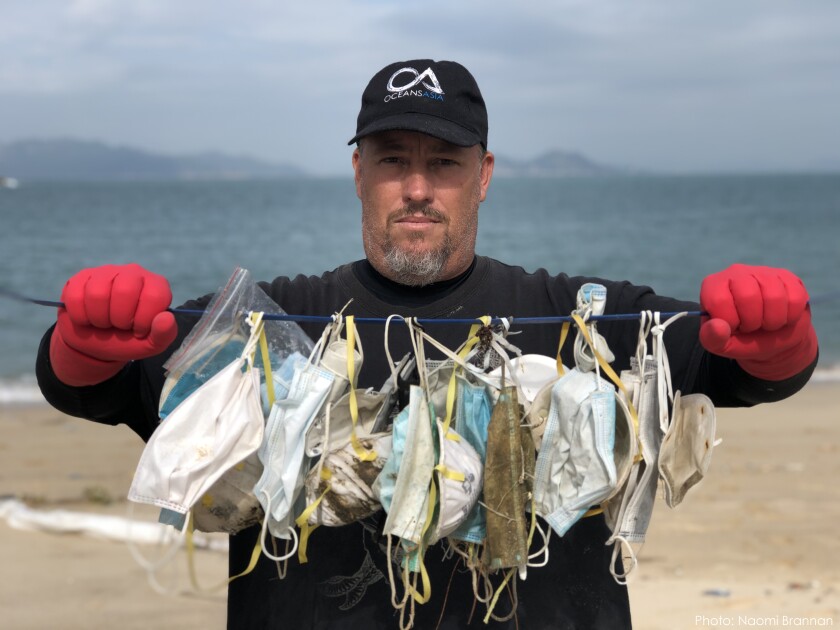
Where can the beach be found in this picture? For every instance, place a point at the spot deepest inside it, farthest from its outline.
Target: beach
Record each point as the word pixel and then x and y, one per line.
pixel 754 544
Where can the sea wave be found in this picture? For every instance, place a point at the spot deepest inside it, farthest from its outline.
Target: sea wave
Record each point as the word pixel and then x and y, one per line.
pixel 20 390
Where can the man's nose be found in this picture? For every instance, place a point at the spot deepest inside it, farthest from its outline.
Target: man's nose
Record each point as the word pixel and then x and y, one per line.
pixel 417 186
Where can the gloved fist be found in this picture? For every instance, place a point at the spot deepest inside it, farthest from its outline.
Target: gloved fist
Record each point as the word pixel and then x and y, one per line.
pixel 760 317
pixel 112 314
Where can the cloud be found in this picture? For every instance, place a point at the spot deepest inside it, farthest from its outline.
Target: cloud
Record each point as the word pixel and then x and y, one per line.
pixel 637 83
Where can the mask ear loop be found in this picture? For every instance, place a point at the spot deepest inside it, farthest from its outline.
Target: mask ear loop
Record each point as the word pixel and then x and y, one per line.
pixel 391 561
pixel 650 324
pixel 353 341
pixel 620 543
pixel 664 387
pixel 325 475
pixel 394 367
pixel 153 567
pixel 264 532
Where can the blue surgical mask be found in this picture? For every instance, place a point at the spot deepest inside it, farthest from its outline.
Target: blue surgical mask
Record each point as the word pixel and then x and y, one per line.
pixel 179 386
pixel 471 419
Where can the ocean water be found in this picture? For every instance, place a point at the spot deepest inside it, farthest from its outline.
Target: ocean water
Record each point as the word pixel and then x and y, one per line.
pixel 666 232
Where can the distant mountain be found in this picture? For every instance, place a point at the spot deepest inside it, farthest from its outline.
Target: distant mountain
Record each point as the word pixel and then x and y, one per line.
pixel 552 164
pixel 82 160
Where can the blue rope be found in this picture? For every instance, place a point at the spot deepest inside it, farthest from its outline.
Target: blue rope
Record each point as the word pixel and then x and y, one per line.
pixel 324 319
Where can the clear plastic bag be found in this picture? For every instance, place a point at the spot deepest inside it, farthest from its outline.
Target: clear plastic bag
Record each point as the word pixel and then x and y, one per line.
pixel 220 335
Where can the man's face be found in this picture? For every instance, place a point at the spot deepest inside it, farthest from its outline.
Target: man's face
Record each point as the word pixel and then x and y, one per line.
pixel 420 199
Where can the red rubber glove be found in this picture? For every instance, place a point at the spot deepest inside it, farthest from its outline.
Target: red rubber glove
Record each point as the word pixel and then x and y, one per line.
pixel 760 317
pixel 111 315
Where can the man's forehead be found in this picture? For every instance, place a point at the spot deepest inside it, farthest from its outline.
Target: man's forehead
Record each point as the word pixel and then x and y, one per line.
pixel 398 139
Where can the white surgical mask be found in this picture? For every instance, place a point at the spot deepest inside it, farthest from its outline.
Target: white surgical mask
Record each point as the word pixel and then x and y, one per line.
pixel 282 452
pixel 459 477
pixel 210 431
pixel 575 467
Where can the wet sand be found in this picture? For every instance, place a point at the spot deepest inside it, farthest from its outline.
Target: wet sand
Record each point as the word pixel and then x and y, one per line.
pixel 755 544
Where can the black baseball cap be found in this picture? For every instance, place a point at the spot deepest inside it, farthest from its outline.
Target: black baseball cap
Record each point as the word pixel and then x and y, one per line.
pixel 438 98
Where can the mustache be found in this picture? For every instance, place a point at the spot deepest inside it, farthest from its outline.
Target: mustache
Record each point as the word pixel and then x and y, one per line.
pixel 424 210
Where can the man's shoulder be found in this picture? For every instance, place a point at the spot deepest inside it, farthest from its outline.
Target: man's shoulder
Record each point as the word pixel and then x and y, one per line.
pixel 307 281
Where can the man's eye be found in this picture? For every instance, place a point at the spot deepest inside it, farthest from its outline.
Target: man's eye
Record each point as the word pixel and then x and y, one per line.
pixel 445 162
pixel 390 160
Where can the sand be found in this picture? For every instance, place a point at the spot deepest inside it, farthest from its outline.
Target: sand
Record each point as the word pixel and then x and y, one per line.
pixel 755 544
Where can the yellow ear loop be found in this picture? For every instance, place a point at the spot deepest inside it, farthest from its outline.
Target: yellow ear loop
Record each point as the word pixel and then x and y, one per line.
pixel 607 370
pixel 269 379
pixel 564 332
pixel 256 320
pixel 190 544
pixel 361 452
pixel 498 593
pixel 302 521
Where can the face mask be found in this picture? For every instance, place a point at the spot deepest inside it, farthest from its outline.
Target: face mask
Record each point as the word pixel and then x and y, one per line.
pixel 687 447
pixel 282 452
pixel 369 404
pixel 337 360
pixel 471 420
pixel 439 374
pixel 624 448
pixel 221 352
pixel 282 379
pixel 575 468
pixel 631 521
pixel 459 477
pixel 212 430
pixel 538 412
pixel 505 487
pixel 530 372
pixel 229 505
pixel 340 488
pixel 409 503
pixel 591 300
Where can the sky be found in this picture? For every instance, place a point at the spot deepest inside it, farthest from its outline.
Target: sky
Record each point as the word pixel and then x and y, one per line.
pixel 670 85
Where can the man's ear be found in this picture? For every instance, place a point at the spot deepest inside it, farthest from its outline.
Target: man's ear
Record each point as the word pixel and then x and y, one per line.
pixel 487 163
pixel 357 157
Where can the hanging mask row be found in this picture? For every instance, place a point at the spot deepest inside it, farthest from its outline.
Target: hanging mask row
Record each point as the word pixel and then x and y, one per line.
pixel 490 444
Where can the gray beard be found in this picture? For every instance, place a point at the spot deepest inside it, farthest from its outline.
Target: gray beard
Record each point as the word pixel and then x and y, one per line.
pixel 417 270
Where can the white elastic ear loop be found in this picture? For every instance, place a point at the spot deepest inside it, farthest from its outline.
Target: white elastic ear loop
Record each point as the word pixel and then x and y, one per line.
pixel 546 536
pixel 501 345
pixel 320 346
pixel 175 544
pixel 645 323
pixel 419 352
pixel 393 366
pixel 621 578
pixel 264 531
pixel 664 387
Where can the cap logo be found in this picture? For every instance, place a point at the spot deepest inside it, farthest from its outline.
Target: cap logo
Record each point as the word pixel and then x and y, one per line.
pixel 431 83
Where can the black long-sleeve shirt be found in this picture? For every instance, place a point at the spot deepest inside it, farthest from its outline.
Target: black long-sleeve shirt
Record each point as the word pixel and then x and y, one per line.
pixel 344 585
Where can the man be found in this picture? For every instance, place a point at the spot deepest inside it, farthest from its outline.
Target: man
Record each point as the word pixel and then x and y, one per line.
pixel 421 171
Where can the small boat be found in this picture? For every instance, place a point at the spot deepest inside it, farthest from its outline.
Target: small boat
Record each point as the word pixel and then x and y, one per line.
pixel 8 182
